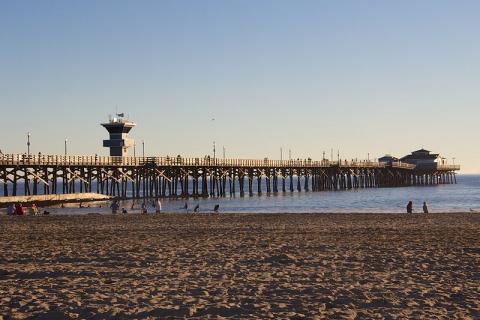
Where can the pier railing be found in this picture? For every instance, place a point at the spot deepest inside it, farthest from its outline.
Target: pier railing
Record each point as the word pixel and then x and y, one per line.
pixel 399 164
pixel 448 167
pixel 61 160
pixel 95 160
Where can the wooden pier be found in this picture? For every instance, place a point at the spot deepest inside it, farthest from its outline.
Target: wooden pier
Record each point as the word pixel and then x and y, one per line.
pixel 138 177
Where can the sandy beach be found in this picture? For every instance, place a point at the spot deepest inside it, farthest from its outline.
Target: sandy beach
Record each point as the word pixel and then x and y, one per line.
pixel 279 266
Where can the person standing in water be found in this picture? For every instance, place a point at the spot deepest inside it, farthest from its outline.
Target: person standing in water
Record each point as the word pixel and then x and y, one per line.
pixel 425 207
pixel 114 206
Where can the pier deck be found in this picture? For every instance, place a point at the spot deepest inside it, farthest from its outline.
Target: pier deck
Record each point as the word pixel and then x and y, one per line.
pixel 202 177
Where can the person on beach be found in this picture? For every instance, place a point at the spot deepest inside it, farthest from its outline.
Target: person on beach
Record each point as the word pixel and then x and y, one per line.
pixel 215 209
pixel 114 206
pixel 158 206
pixel 10 209
pixel 19 210
pixel 185 207
pixel 197 207
pixel 410 207
pixel 144 208
pixel 34 209
pixel 124 211
pixel 425 207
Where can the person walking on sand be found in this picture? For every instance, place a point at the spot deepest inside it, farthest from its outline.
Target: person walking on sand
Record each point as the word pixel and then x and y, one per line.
pixel 158 206
pixel 34 209
pixel 185 207
pixel 425 207
pixel 197 207
pixel 19 209
pixel 10 209
pixel 215 209
pixel 144 208
pixel 410 207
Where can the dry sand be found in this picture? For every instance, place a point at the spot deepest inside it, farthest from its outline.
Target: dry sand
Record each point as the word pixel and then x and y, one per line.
pixel 290 266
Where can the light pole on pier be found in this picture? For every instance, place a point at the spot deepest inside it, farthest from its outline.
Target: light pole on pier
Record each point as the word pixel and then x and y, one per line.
pixel 134 147
pixel 453 159
pixel 323 158
pixel 224 152
pixel 289 154
pixel 66 140
pixel 281 154
pixel 214 151
pixel 143 148
pixel 212 120
pixel 28 143
pixel 368 157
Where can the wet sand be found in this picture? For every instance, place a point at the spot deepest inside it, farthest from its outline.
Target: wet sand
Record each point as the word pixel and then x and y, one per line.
pixel 290 266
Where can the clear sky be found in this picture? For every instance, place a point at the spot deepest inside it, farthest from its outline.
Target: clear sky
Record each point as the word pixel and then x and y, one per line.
pixel 359 76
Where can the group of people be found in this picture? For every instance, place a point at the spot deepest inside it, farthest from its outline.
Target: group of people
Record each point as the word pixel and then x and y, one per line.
pixel 410 207
pixel 115 206
pixel 157 204
pixel 18 209
pixel 196 209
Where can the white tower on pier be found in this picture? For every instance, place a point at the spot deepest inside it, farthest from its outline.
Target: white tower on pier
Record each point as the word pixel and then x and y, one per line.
pixel 119 142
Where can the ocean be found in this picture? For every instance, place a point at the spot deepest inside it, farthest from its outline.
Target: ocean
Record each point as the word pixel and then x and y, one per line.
pixel 461 197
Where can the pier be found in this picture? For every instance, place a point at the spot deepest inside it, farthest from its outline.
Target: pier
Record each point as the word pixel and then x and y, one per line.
pixel 139 177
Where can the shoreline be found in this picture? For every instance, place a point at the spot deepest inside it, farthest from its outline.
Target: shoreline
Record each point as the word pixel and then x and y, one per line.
pixel 137 212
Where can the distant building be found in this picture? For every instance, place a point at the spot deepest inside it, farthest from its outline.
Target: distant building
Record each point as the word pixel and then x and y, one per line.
pixel 387 159
pixel 119 142
pixel 423 159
